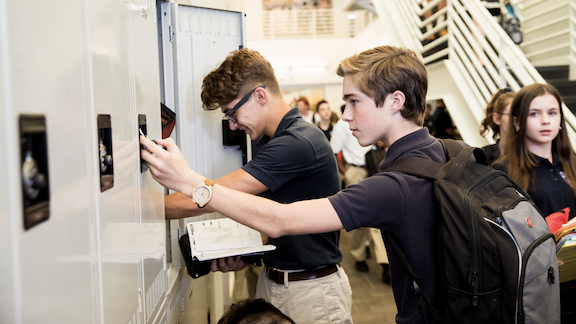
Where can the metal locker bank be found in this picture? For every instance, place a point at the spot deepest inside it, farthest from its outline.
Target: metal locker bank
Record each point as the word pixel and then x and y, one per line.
pixel 83 237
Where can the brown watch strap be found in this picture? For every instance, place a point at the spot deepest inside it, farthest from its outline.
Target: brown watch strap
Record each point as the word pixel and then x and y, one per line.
pixel 209 182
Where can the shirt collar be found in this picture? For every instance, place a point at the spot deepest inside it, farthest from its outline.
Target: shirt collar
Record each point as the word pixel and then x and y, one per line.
pixel 541 160
pixel 409 142
pixel 291 116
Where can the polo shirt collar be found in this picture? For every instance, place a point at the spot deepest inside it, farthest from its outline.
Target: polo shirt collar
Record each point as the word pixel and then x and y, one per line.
pixel 291 116
pixel 407 143
pixel 541 160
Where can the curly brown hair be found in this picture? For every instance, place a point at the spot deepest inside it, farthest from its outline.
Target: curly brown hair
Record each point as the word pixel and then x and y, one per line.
pixel 382 70
pixel 496 105
pixel 241 71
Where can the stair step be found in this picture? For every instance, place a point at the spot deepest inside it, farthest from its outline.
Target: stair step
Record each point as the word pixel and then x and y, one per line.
pixel 565 87
pixel 570 102
pixel 554 72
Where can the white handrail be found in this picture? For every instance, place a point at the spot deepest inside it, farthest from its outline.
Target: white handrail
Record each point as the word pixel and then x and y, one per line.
pixel 477 45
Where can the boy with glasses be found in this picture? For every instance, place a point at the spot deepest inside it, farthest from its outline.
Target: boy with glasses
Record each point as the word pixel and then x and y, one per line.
pixel 295 162
pixel 385 93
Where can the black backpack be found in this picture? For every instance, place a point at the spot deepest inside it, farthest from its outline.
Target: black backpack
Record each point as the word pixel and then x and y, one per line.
pixel 498 255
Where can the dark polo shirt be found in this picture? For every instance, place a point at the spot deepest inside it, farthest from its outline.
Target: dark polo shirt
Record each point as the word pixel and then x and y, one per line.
pixel 550 190
pixel 297 163
pixel 402 206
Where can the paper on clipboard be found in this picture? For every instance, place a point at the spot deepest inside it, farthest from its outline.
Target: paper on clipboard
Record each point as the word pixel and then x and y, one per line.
pixel 219 238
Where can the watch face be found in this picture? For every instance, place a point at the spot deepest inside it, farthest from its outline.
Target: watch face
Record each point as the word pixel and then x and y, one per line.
pixel 201 194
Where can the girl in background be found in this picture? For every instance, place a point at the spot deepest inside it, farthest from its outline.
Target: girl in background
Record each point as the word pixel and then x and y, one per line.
pixel 497 117
pixel 538 155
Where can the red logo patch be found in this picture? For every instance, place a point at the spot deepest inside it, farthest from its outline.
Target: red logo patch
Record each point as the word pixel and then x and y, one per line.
pixel 529 222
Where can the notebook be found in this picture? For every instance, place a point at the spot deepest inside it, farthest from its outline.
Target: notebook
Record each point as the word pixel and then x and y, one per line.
pixel 219 238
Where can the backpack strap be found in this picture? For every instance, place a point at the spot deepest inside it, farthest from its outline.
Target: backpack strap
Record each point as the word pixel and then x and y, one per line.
pixel 416 166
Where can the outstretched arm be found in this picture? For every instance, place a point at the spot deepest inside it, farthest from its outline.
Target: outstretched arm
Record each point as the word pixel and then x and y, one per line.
pixel 178 205
pixel 170 169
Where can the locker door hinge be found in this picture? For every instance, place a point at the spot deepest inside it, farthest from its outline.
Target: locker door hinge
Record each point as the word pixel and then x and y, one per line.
pixel 171 34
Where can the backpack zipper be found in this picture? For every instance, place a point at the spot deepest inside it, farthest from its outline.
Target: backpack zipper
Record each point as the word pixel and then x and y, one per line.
pixel 527 253
pixel 520 264
pixel 476 261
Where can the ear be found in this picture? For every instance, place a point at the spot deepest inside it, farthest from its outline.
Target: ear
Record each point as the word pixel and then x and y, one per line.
pixel 516 123
pixel 497 119
pixel 397 100
pixel 261 96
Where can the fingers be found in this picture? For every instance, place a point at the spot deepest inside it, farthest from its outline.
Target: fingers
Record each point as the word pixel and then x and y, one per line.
pixel 150 146
pixel 227 264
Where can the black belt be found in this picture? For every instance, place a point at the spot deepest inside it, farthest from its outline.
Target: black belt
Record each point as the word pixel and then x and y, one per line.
pixel 278 276
pixel 354 165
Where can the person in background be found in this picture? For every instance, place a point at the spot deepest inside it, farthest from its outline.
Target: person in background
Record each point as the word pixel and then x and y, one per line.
pixel 538 155
pixel 385 93
pixel 294 162
pixel 428 118
pixel 304 108
pixel 497 118
pixel 325 123
pixel 254 311
pixel 352 169
pixel 443 126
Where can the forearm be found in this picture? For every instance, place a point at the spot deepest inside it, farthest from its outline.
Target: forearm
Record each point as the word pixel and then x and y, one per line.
pixel 275 219
pixel 178 205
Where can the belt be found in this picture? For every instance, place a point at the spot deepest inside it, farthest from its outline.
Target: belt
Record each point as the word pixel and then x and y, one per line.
pixel 278 276
pixel 354 165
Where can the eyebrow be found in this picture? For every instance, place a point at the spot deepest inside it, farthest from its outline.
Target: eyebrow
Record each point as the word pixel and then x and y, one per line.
pixel 346 96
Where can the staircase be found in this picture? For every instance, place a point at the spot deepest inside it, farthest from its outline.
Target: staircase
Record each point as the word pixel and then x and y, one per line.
pixel 473 59
pixel 558 77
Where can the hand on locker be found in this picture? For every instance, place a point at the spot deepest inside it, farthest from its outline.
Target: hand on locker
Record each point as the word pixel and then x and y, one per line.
pixel 169 167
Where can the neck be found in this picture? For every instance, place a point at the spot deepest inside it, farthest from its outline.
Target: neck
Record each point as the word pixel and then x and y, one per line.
pixel 324 124
pixel 277 110
pixel 403 128
pixel 542 150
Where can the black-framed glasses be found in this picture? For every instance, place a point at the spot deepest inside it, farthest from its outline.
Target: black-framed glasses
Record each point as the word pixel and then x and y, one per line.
pixel 240 103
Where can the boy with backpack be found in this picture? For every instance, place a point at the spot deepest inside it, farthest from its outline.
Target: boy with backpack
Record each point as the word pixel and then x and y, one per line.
pixel 385 93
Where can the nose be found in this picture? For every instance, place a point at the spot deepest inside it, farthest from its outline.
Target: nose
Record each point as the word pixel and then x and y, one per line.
pixel 232 124
pixel 545 119
pixel 347 114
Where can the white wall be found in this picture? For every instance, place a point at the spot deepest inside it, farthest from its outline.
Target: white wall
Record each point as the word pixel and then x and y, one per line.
pixel 312 63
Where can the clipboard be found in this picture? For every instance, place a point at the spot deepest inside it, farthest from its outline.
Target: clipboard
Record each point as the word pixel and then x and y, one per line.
pixel 224 237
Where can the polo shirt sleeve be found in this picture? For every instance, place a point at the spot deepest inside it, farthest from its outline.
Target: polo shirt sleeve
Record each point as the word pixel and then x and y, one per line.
pixel 378 201
pixel 281 160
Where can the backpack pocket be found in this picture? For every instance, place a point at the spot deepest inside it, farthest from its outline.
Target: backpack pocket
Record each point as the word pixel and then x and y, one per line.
pixel 461 307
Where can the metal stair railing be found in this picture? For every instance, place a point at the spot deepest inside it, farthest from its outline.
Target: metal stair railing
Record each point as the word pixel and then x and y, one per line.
pixel 558 19
pixel 475 43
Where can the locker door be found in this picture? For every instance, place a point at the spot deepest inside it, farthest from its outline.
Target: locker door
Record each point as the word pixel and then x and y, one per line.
pixel 113 123
pixel 146 99
pixel 48 269
pixel 194 42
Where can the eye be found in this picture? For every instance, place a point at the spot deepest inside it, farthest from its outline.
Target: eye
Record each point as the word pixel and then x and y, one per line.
pixel 553 113
pixel 534 114
pixel 354 102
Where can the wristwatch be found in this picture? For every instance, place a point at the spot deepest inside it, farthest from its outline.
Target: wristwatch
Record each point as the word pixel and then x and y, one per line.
pixel 202 193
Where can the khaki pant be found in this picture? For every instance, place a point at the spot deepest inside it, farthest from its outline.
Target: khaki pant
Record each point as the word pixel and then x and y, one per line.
pixel 326 300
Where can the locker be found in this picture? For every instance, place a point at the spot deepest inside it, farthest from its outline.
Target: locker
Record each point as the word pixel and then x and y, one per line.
pixel 194 41
pixel 49 266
